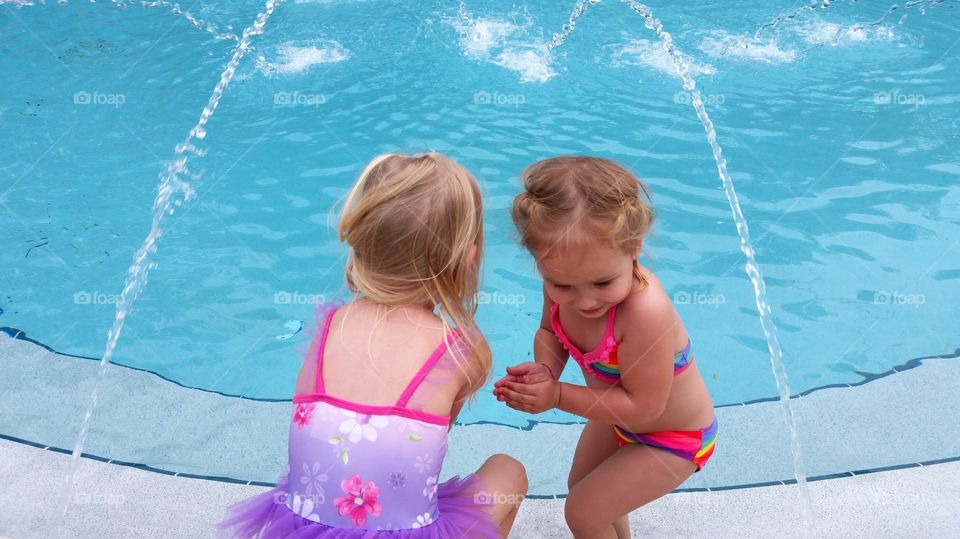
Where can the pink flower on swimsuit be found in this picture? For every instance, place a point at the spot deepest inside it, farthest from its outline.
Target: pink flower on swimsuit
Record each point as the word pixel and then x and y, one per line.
pixel 360 499
pixel 302 414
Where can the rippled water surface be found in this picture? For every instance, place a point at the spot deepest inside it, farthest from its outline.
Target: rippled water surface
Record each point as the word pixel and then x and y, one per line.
pixel 842 139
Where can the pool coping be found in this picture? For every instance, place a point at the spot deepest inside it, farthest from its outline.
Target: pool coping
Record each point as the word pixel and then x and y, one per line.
pixel 531 424
pixel 868 377
pixel 114 501
pixel 232 480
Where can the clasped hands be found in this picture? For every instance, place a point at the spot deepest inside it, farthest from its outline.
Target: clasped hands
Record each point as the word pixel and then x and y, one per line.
pixel 529 387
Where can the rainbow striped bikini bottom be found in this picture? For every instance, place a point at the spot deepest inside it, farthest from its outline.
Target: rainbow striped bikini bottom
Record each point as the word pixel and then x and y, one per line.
pixel 693 445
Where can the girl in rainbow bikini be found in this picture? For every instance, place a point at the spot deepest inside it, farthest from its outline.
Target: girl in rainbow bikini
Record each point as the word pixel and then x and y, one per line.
pixel 650 420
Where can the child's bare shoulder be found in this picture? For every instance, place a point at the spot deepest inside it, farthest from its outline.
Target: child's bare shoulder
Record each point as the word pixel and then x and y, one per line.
pixel 650 306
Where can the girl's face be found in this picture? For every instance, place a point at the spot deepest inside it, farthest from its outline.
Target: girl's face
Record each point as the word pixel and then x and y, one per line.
pixel 591 278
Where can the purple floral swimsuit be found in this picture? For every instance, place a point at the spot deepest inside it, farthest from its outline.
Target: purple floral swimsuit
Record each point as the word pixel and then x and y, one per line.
pixel 356 469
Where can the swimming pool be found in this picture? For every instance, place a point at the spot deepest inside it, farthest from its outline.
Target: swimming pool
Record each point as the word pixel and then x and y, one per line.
pixel 841 137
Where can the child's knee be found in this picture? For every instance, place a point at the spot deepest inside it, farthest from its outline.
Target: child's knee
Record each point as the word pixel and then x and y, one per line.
pixel 578 517
pixel 577 520
pixel 511 470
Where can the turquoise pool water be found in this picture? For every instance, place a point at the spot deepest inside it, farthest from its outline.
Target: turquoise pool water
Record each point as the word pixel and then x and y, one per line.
pixel 842 140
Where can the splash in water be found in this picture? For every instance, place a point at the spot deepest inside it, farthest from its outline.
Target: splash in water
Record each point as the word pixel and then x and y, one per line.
pixel 532 61
pixel 173 190
pixel 496 41
pixel 920 5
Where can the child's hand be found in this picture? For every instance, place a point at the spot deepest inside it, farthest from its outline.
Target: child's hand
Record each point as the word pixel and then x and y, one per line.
pixel 528 387
pixel 515 374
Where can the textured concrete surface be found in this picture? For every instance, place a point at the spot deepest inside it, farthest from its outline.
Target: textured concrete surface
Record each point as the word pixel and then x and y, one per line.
pixel 117 501
pixel 903 418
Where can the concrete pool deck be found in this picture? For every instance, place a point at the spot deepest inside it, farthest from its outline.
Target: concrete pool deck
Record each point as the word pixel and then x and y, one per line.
pixel 120 501
pixel 164 460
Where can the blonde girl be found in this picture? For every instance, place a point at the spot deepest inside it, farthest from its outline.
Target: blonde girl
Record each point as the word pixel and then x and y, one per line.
pixel 387 374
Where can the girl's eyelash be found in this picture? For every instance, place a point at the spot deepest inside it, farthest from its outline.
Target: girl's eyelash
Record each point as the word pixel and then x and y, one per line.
pixel 602 283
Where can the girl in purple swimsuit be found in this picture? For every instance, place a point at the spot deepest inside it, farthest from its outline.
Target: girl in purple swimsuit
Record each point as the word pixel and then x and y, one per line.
pixel 387 373
pixel 650 421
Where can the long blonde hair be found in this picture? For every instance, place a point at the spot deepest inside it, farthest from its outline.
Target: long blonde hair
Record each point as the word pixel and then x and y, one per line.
pixel 411 222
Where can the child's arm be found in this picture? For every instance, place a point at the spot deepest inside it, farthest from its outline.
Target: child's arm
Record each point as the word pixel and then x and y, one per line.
pixel 646 372
pixel 547 349
pixel 646 376
pixel 548 354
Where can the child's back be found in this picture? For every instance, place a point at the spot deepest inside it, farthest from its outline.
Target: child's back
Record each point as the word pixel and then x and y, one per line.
pixel 367 442
pixel 386 375
pixel 374 351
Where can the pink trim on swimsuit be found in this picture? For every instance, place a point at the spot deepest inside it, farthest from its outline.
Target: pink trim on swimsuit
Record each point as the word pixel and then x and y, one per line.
pixel 400 408
pixel 601 362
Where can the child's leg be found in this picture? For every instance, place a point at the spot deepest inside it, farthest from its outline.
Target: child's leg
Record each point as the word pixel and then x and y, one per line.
pixel 633 476
pixel 597 442
pixel 506 482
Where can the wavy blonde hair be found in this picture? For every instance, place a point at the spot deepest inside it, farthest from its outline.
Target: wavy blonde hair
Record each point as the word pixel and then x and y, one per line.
pixel 411 222
pixel 574 199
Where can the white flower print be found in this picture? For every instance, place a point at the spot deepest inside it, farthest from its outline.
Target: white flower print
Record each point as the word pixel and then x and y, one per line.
pixel 324 410
pixel 362 426
pixel 431 489
pixel 312 479
pixel 409 426
pixel 424 463
pixel 322 414
pixel 422 520
pixel 304 508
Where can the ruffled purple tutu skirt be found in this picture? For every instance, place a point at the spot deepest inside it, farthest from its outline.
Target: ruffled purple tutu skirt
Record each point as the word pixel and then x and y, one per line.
pixel 459 515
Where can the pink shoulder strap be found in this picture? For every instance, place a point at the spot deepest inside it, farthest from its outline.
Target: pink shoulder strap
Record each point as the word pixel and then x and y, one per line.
pixel 562 335
pixel 323 342
pixel 429 364
pixel 578 354
pixel 611 318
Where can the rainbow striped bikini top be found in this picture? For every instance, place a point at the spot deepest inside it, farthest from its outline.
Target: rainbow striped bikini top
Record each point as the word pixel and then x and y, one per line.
pixel 601 363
